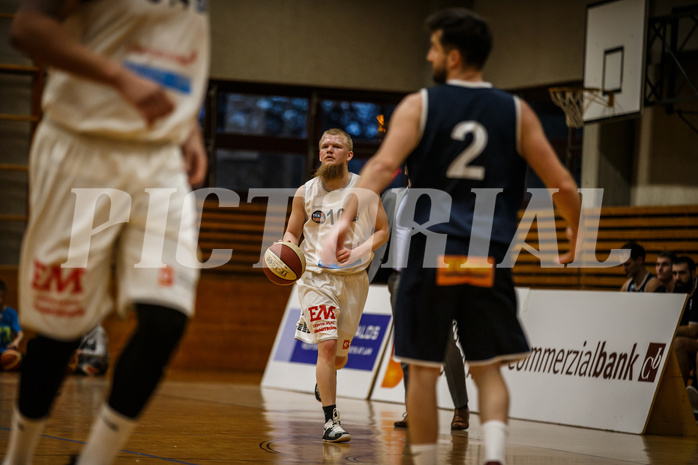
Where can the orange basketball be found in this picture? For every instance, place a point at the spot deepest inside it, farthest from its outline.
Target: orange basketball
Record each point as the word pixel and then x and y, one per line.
pixel 284 263
pixel 11 360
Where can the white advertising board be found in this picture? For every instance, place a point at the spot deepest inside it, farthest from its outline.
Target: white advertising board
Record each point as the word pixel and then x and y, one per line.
pixel 596 358
pixel 291 363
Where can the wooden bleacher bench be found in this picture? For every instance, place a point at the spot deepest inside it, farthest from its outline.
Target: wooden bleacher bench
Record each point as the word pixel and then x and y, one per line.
pixel 240 229
pixel 657 229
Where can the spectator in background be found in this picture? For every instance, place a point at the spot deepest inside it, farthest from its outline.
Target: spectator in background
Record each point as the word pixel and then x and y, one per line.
pixel 10 332
pixel 640 280
pixel 685 343
pixel 665 275
pixel 93 353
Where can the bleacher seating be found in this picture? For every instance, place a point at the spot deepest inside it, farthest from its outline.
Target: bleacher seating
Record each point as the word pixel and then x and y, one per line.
pixel 658 229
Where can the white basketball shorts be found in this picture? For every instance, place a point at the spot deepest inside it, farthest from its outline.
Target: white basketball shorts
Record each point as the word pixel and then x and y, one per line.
pixel 331 307
pixel 95 203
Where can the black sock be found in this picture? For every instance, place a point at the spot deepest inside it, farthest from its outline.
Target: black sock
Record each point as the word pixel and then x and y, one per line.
pixel 142 363
pixel 329 411
pixel 43 371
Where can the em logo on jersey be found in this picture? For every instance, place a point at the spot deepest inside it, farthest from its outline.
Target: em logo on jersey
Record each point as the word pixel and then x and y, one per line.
pixel 318 216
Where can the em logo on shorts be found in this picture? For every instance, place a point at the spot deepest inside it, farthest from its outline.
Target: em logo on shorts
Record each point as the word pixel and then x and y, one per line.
pixel 166 276
pixel 653 359
pixel 318 216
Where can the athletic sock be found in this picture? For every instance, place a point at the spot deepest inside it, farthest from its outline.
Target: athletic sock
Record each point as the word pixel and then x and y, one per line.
pixel 495 438
pixel 423 454
pixel 23 439
pixel 329 410
pixel 109 433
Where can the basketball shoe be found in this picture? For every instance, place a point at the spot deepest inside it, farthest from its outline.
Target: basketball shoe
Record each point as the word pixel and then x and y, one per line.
pixel 401 423
pixel 334 431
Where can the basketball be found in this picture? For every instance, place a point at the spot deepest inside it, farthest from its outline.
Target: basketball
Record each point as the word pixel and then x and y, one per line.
pixel 284 263
pixel 11 360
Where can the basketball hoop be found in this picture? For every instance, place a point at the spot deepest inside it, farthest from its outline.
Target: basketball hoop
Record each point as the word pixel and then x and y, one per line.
pixel 574 101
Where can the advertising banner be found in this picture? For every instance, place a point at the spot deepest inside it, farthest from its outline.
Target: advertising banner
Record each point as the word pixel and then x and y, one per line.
pixel 291 364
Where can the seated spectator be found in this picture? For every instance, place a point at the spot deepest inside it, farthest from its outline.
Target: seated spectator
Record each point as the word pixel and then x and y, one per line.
pixel 685 343
pixel 10 332
pixel 665 274
pixel 640 280
pixel 93 353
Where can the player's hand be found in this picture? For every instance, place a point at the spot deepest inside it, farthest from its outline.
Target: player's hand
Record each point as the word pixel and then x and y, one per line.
pixel 195 158
pixel 149 98
pixel 12 345
pixel 569 256
pixel 343 255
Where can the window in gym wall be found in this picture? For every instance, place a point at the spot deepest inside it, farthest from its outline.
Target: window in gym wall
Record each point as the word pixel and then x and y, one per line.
pixel 359 119
pixel 247 169
pixel 267 115
pixel 266 136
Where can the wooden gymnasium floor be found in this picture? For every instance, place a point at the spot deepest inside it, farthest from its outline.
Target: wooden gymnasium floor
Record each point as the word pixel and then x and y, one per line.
pixel 228 419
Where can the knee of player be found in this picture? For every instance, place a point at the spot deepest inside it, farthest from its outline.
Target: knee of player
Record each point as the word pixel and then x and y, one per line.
pixel 339 362
pixel 326 350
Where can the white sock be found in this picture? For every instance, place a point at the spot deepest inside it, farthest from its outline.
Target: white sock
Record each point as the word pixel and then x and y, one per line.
pixel 423 454
pixel 23 439
pixel 495 438
pixel 109 433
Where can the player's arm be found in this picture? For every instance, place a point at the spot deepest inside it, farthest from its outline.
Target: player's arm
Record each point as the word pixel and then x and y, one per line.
pixel 380 235
pixel 37 31
pixel 15 342
pixel 541 157
pixel 401 139
pixel 17 329
pixel 195 158
pixel 690 330
pixel 294 230
pixel 652 285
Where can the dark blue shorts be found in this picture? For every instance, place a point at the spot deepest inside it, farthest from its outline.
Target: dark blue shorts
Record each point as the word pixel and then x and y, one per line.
pixel 488 326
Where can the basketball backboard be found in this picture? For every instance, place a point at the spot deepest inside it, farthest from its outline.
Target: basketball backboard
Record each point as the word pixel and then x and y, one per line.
pixel 614 57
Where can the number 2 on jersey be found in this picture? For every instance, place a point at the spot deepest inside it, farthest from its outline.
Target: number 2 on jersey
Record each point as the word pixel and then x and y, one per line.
pixel 460 168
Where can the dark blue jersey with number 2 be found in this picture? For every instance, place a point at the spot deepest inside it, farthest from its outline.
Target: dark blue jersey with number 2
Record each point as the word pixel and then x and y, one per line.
pixel 469 147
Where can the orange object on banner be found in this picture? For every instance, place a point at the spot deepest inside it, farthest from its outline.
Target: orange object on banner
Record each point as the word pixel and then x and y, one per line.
pixel 393 374
pixel 476 271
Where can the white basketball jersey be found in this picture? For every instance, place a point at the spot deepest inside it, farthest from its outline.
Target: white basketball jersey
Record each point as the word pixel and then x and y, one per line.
pixel 166 41
pixel 322 210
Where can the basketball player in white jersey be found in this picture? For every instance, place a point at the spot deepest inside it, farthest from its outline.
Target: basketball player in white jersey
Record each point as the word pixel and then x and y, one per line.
pixel 126 83
pixel 332 295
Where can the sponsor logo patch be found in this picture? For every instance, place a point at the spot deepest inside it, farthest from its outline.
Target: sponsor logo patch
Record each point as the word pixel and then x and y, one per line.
pixel 318 217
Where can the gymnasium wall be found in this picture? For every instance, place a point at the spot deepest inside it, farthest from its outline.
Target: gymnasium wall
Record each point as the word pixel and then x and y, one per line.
pixel 356 44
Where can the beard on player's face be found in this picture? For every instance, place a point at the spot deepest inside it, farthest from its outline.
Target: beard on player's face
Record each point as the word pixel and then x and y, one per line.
pixel 682 288
pixel 330 172
pixel 438 73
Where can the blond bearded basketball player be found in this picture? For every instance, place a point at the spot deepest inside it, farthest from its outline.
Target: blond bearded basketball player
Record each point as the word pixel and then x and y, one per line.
pixel 333 294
